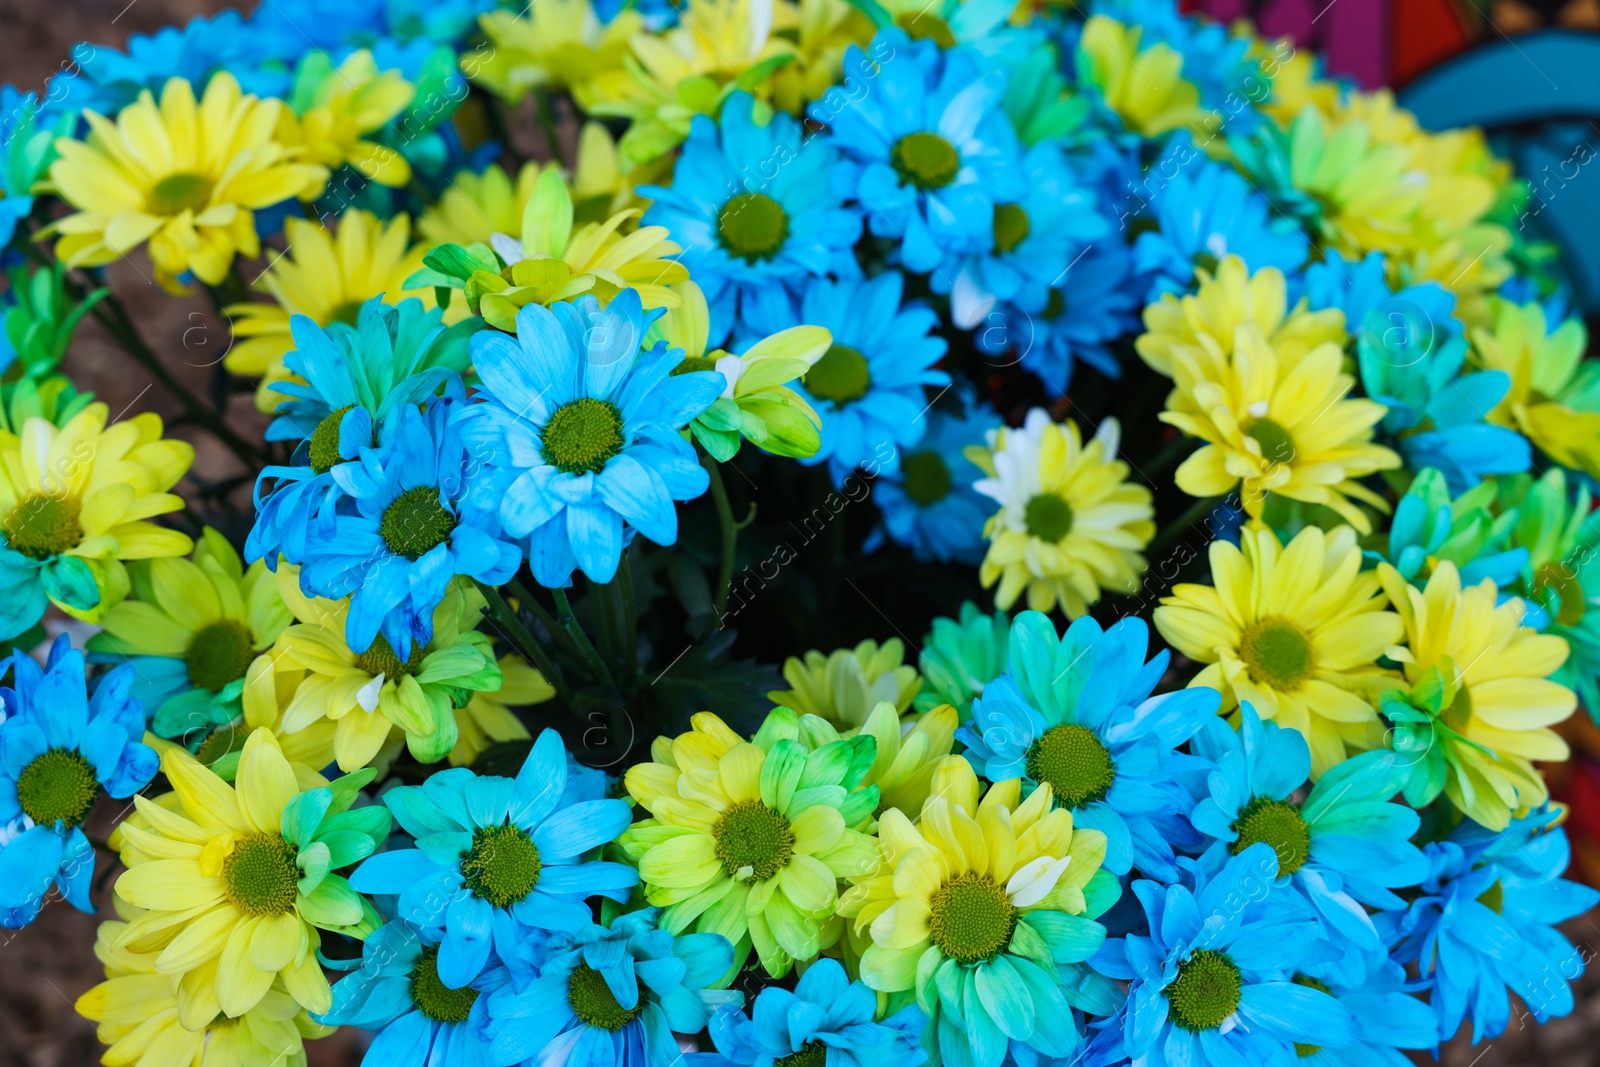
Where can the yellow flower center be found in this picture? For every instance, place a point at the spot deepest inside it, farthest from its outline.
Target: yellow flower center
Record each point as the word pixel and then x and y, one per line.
pixel 1206 991
pixel 971 918
pixel 753 841
pixel 922 26
pixel 840 376
pixel 381 658
pixel 348 313
pixel 41 526
pixel 1276 654
pixel 1279 824
pixel 432 997
pixel 1011 227
pixel 1073 762
pixel 221 742
pixel 593 1002
pixel 177 193
pixel 1047 517
pixel 219 653
pixel 752 227
pixel 57 786
pixel 259 876
pixel 502 866
pixel 694 364
pixel 925 160
pixel 927 477
pixel 582 436
pixel 1277 446
pixel 415 523
pixel 324 449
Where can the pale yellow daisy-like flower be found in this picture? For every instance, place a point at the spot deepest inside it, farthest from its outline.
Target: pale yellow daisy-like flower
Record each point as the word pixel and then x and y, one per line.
pixel 553 44
pixel 1294 630
pixel 335 109
pixel 845 685
pixel 1145 87
pixel 1070 523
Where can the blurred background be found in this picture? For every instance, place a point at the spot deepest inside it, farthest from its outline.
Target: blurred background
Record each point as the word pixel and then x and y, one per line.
pixel 1524 69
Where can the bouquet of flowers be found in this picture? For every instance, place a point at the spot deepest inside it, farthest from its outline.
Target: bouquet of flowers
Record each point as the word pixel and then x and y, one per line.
pixel 580 337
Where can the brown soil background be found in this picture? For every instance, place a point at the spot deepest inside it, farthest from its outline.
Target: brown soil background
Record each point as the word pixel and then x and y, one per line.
pixel 45 967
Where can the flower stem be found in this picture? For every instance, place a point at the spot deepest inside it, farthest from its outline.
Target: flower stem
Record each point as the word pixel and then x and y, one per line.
pixel 570 623
pixel 521 638
pixel 730 532
pixel 1196 511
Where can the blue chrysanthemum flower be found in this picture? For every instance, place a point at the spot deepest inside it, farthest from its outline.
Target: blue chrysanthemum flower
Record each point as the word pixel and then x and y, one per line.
pixel 420 1021
pixel 1213 980
pixel 1390 1018
pixel 827 1016
pixel 354 377
pixel 930 505
pixel 1485 924
pixel 611 998
pixel 58 748
pixel 1076 711
pixel 1344 846
pixel 1091 305
pixel 578 434
pixel 405 528
pixel 1205 214
pixel 752 204
pixel 495 856
pixel 868 387
pixel 930 151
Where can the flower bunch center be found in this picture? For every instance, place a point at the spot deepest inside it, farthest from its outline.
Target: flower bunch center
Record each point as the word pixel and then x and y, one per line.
pixel 324 450
pixel 593 1002
pixel 582 436
pixel 1459 714
pixel 971 918
pixel 1277 446
pixel 1047 517
pixel 415 523
pixel 1206 991
pixel 1279 824
pixel 927 477
pixel 177 193
pixel 432 997
pixel 840 376
pixel 1011 227
pixel 381 658
pixel 41 526
pixel 219 653
pixel 260 877
pixel 57 786
pixel 502 866
pixel 925 160
pixel 752 227
pixel 1073 762
pixel 221 742
pixel 694 364
pixel 1276 654
pixel 753 841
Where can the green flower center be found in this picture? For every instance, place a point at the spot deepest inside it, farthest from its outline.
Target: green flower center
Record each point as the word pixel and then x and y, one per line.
pixel 381 658
pixel 593 1002
pixel 694 364
pixel 582 436
pixel 348 313
pixel 502 866
pixel 840 376
pixel 324 451
pixel 220 653
pixel 432 997
pixel 1276 654
pixel 972 918
pixel 753 841
pixel 1205 992
pixel 259 876
pixel 922 26
pixel 927 477
pixel 752 227
pixel 1010 227
pixel 1279 824
pixel 58 786
pixel 1494 898
pixel 415 523
pixel 1310 983
pixel 1459 714
pixel 177 193
pixel 41 526
pixel 1047 517
pixel 811 1054
pixel 925 160
pixel 1559 577
pixel 1276 444
pixel 1073 762
pixel 222 741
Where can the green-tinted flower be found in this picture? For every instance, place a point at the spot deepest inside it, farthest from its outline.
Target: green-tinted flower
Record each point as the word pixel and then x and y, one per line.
pixel 1555 393
pixel 52 398
pixel 1429 528
pixel 845 686
pixel 903 768
pixel 40 321
pixel 961 656
pixel 1038 99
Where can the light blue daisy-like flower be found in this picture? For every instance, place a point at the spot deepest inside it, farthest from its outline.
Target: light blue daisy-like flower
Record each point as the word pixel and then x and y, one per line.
pixel 1091 305
pixel 496 856
pixel 826 1017
pixel 1344 846
pixel 1076 711
pixel 752 205
pixel 1485 924
pixel 577 437
pixel 868 388
pixel 611 997
pixel 1390 1017
pixel 930 505
pixel 420 1022
pixel 405 528
pixel 59 747
pixel 929 148
pixel 1212 982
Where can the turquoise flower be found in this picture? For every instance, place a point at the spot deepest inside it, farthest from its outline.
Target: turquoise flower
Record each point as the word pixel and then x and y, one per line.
pixel 1390 1018
pixel 58 748
pixel 961 656
pixel 27 147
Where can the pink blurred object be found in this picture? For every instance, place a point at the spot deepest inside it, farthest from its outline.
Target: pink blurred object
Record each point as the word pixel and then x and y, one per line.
pixel 1352 34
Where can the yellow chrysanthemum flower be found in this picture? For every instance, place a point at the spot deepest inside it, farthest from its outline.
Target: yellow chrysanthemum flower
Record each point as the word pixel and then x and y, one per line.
pixel 476 206
pixel 488 719
pixel 844 686
pixel 136 1012
pixel 735 848
pixel 1226 299
pixel 77 499
pixel 184 177
pixel 909 750
pixel 1292 74
pixel 1146 88
pixel 334 109
pixel 1368 190
pixel 241 876
pixel 1555 395
pixel 1272 425
pixel 1503 705
pixel 554 44
pixel 824 30
pixel 326 277
pixel 1070 523
pixel 370 693
pixel 1295 630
